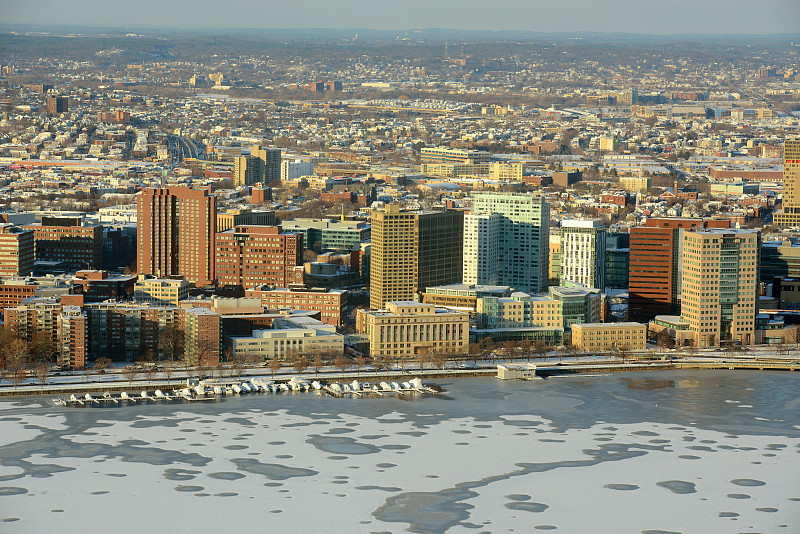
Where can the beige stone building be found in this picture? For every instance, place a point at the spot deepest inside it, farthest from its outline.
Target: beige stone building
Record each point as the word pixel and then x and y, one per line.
pixel 161 291
pixel 404 328
pixel 719 279
pixel 609 336
pixel 789 215
pixel 635 184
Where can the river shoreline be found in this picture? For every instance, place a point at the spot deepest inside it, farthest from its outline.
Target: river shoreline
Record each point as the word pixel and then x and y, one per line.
pixel 543 371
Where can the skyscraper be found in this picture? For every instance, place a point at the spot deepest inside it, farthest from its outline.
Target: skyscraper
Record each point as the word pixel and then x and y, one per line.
pixel 789 215
pixel 175 233
pixel 583 246
pixel 270 162
pixel 481 246
pixel 247 170
pixel 719 280
pixel 412 250
pixel 523 239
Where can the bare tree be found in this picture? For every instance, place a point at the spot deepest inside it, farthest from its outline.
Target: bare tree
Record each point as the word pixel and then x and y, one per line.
pixel 343 362
pixel 299 363
pixel 17 377
pixel 102 363
pixel 423 356
pixel 359 362
pixel 317 362
pixel 439 358
pixel 274 366
pixel 131 372
pixel 42 371
pixel 16 355
pixel 171 342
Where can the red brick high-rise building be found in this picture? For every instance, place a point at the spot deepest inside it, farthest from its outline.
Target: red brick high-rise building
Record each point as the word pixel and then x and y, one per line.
pixel 69 240
pixel 175 233
pixel 249 256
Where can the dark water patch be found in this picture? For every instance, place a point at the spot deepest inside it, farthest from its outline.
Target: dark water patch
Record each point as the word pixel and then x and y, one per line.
pixel 431 476
pixel 273 484
pixel 226 494
pixel 240 421
pixel 187 430
pixel 116 475
pixel 461 432
pixel 180 474
pixel 11 490
pixel 381 436
pixel 644 433
pixel 271 471
pixel 339 482
pixel 437 511
pixel 688 438
pixel 680 487
pixel 202 494
pixel 623 487
pixel 688 457
pixel 101 492
pixel 483 426
pixel 276 443
pixel 767 509
pixel 57 510
pixel 518 497
pixel 522 422
pixel 726 447
pixel 604 439
pixel 160 422
pixel 794 499
pixel 533 507
pixel 708 441
pixel 338 457
pixel 700 448
pixel 236 447
pixel 658 441
pixel 551 440
pixel 462 443
pixel 660 532
pixel 339 430
pixel 747 482
pixel 341 445
pixel 768 455
pixel 284 456
pixel 188 489
pixel 293 425
pixel 226 475
pixel 10 519
pixel 545 527
pixel 727 514
pixel 738 496
pixel 395 447
pixel 275 511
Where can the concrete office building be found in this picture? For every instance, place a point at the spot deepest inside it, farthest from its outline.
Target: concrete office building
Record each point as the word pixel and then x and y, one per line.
pixel 247 170
pixel 292 170
pixel 719 283
pixel 69 241
pixel 609 336
pixel 789 215
pixel 175 233
pixel 481 247
pixel 16 251
pixel 325 235
pixel 413 250
pixel 524 237
pixel 404 328
pixel 287 338
pixel 270 162
pixel 244 217
pixel 160 291
pixel 249 256
pixel 583 245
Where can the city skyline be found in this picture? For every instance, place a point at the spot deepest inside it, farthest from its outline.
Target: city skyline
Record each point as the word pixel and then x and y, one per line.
pixel 682 17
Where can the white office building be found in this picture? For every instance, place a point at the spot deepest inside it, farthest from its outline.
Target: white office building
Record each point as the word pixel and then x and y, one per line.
pixel 583 245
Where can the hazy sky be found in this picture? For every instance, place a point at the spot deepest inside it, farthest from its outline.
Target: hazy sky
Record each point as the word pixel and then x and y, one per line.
pixel 632 16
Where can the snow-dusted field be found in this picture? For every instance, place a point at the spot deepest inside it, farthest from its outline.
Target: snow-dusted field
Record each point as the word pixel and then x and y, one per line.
pixel 593 454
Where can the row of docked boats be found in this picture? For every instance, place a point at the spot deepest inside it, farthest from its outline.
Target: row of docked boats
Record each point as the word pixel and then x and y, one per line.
pixel 211 390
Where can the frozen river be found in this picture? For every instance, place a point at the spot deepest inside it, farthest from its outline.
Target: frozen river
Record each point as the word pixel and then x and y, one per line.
pixel 678 451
